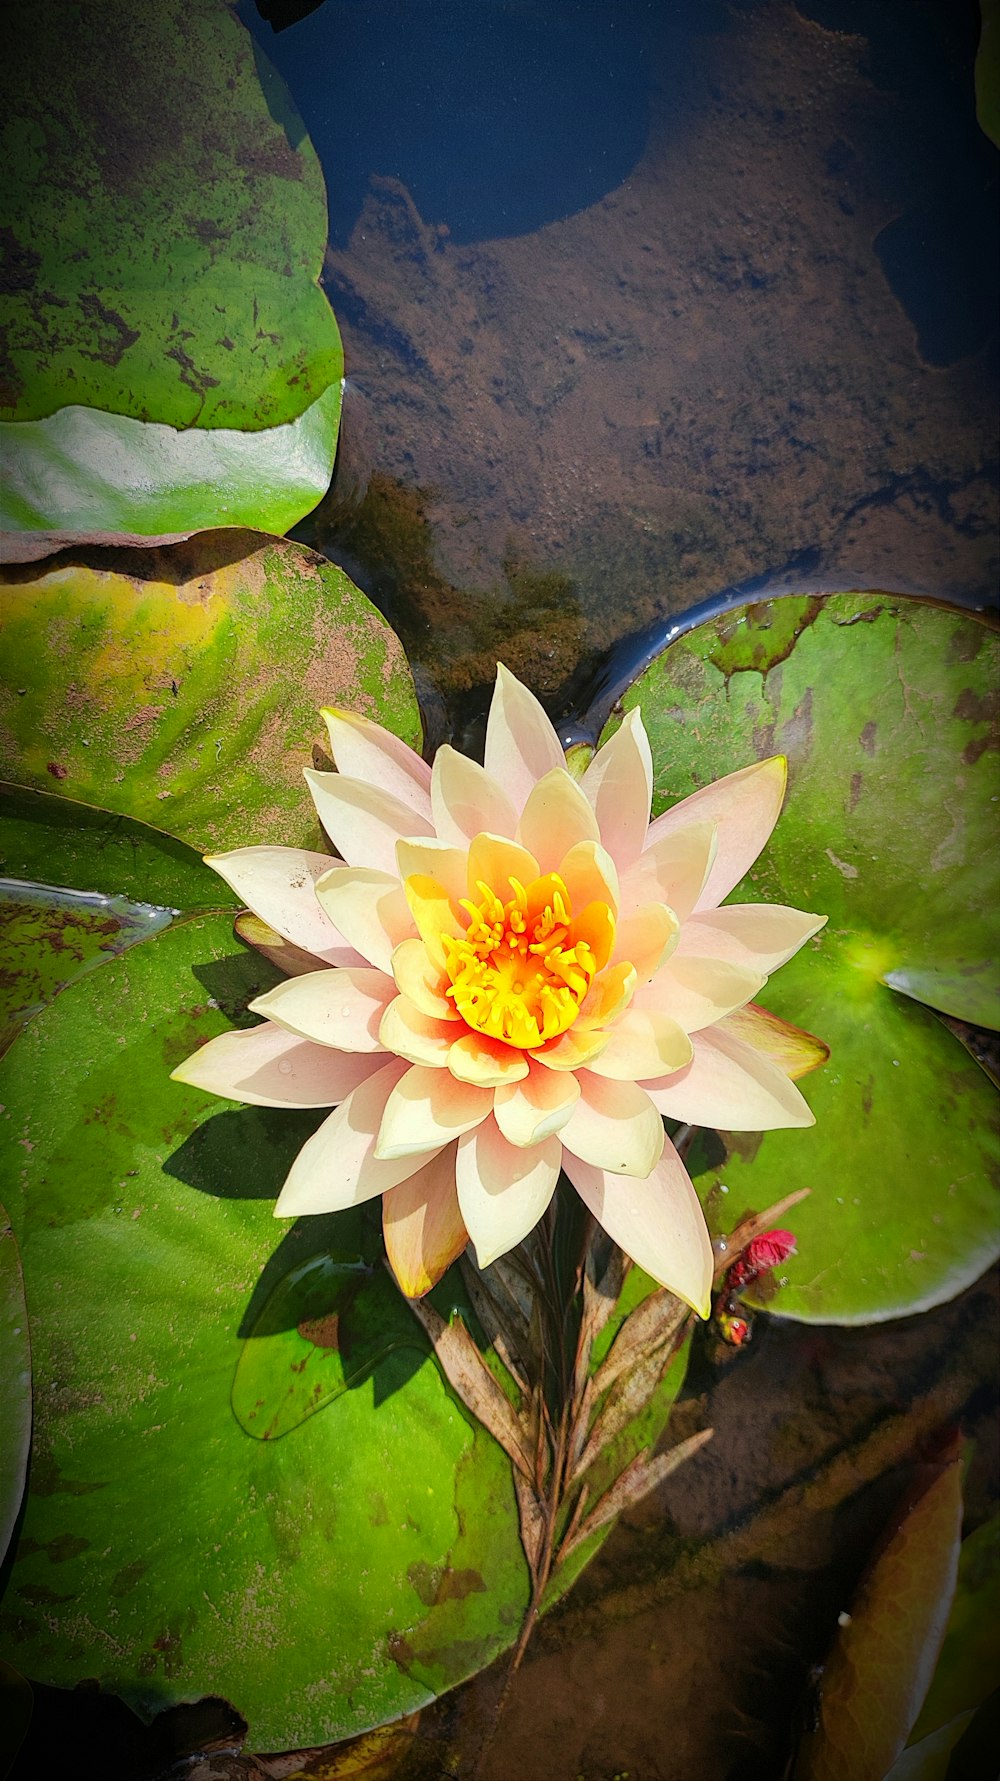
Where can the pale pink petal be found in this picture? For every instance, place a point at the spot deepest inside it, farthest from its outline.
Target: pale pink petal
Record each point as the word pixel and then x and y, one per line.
pixel 590 875
pixel 434 859
pixel 423 1226
pixel 619 785
pixel 494 860
pixel 503 1190
pixel 267 1067
pixel 279 885
pixel 418 1037
pixel 536 1107
pixel 487 1062
pixel 363 822
pixel 428 1108
pixel 730 1086
pixel 342 1008
pixel 645 938
pixel 370 910
pixel 642 1042
pixel 466 800
pixel 674 870
pixel 795 1051
pixel 745 807
pixel 337 1166
pixel 521 744
pixel 658 1222
pixel 695 992
pixel 556 818
pixel 422 982
pixel 614 1125
pixel 761 936
pixel 364 750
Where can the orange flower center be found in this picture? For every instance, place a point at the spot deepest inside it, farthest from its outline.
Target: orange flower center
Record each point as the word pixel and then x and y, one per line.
pixel 522 968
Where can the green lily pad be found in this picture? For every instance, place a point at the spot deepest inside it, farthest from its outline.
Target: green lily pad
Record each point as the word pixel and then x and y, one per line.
pixel 182 686
pixel 106 478
pixel 325 1328
pixel 885 709
pixel 49 937
pixel 167 226
pixel 326 1581
pixel 52 840
pixel 15 1384
pixel 171 360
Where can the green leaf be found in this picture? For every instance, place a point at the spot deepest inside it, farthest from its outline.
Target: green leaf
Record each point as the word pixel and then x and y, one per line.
pixel 970 1656
pixel 182 686
pixel 326 1327
pixel 884 708
pixel 106 478
pixel 167 225
pixel 882 1659
pixel 50 937
pixel 171 360
pixel 327 1580
pixel 15 1384
pixel 52 840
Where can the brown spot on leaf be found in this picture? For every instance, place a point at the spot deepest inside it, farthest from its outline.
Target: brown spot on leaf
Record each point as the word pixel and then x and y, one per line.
pixel 868 736
pixel 322 1332
pixel 435 1584
pixel 57 770
pixel 856 784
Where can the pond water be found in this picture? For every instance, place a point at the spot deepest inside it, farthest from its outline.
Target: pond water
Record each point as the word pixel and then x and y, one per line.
pixel 646 303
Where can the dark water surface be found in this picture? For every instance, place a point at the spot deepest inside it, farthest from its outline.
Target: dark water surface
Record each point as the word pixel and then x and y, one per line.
pixel 644 300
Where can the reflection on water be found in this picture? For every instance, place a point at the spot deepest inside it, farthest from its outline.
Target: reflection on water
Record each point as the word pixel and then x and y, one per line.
pixel 644 302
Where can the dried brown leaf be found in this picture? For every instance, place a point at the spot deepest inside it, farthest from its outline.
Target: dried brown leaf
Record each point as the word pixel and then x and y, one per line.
pixel 651 1324
pixel 637 1480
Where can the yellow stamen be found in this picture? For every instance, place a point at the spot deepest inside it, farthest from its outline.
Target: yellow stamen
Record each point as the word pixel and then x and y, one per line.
pixel 521 969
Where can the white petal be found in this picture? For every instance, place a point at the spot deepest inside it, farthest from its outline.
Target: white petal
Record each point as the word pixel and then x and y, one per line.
pixel 521 744
pixel 422 1224
pixel 279 885
pixel 503 1190
pixel 619 785
pixel 428 1108
pixel 536 1107
pixel 556 818
pixel 730 1086
pixel 364 750
pixel 615 1126
pixel 465 799
pixel 267 1067
pixel 673 870
pixel 363 822
pixel 761 936
pixel 658 1222
pixel 337 1166
pixel 744 806
pixel 339 1008
pixel 695 992
pixel 369 908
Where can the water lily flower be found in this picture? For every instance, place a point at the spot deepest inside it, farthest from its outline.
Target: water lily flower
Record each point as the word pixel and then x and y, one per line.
pixel 515 972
